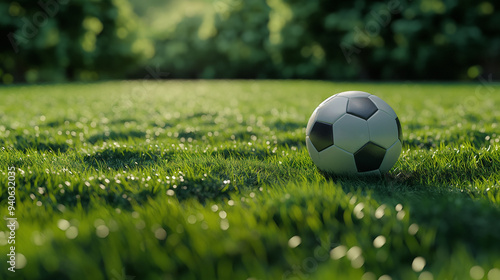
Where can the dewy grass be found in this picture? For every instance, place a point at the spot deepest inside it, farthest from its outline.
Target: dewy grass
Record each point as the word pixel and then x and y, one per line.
pixel 212 180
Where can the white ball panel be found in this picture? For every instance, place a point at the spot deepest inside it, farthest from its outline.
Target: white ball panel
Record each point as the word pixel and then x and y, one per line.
pixel 351 94
pixel 311 121
pixel 382 105
pixel 383 129
pixel 326 100
pixel 313 153
pixel 391 157
pixel 350 133
pixel 336 160
pixel 332 110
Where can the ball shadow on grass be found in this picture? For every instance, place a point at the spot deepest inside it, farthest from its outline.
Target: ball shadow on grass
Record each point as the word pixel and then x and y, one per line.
pixel 366 179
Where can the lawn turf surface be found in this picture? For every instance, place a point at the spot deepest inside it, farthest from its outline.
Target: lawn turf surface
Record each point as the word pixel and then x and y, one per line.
pixel 212 180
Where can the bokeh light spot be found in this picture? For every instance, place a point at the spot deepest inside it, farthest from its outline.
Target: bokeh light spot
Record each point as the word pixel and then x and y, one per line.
pixel 418 264
pixel 294 241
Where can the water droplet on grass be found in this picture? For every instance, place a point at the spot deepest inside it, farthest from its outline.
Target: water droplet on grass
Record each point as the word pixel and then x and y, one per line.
pixel 476 272
pixel 426 275
pixel 369 276
pixel 20 261
pixel 72 232
pixel 413 229
pixel 222 214
pixel 224 224
pixel 61 207
pixel 102 231
pixel 399 207
pixel 358 262
pixel 400 215
pixel 418 264
pixel 338 252
pixel 353 199
pixel 160 234
pixel 494 274
pixel 357 211
pixel 379 241
pixel 379 213
pixel 354 252
pixel 294 241
pixel 191 219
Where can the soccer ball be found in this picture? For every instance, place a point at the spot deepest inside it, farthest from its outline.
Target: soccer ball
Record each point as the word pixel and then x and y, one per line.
pixel 353 133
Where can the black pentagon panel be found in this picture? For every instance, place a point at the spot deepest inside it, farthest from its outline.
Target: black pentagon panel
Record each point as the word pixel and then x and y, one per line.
pixel 369 157
pixel 400 131
pixel 321 135
pixel 361 107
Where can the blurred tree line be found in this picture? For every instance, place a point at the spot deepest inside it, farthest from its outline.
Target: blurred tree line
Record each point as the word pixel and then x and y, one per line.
pixel 58 40
pixel 316 39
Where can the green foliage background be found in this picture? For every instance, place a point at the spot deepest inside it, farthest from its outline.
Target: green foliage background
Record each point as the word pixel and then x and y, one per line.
pixel 75 40
pixel 319 39
pixel 336 40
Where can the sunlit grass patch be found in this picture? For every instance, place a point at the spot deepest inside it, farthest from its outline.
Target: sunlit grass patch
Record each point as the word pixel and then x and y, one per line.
pixel 212 180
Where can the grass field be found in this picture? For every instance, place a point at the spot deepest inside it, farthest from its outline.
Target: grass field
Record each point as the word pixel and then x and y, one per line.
pixel 212 180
